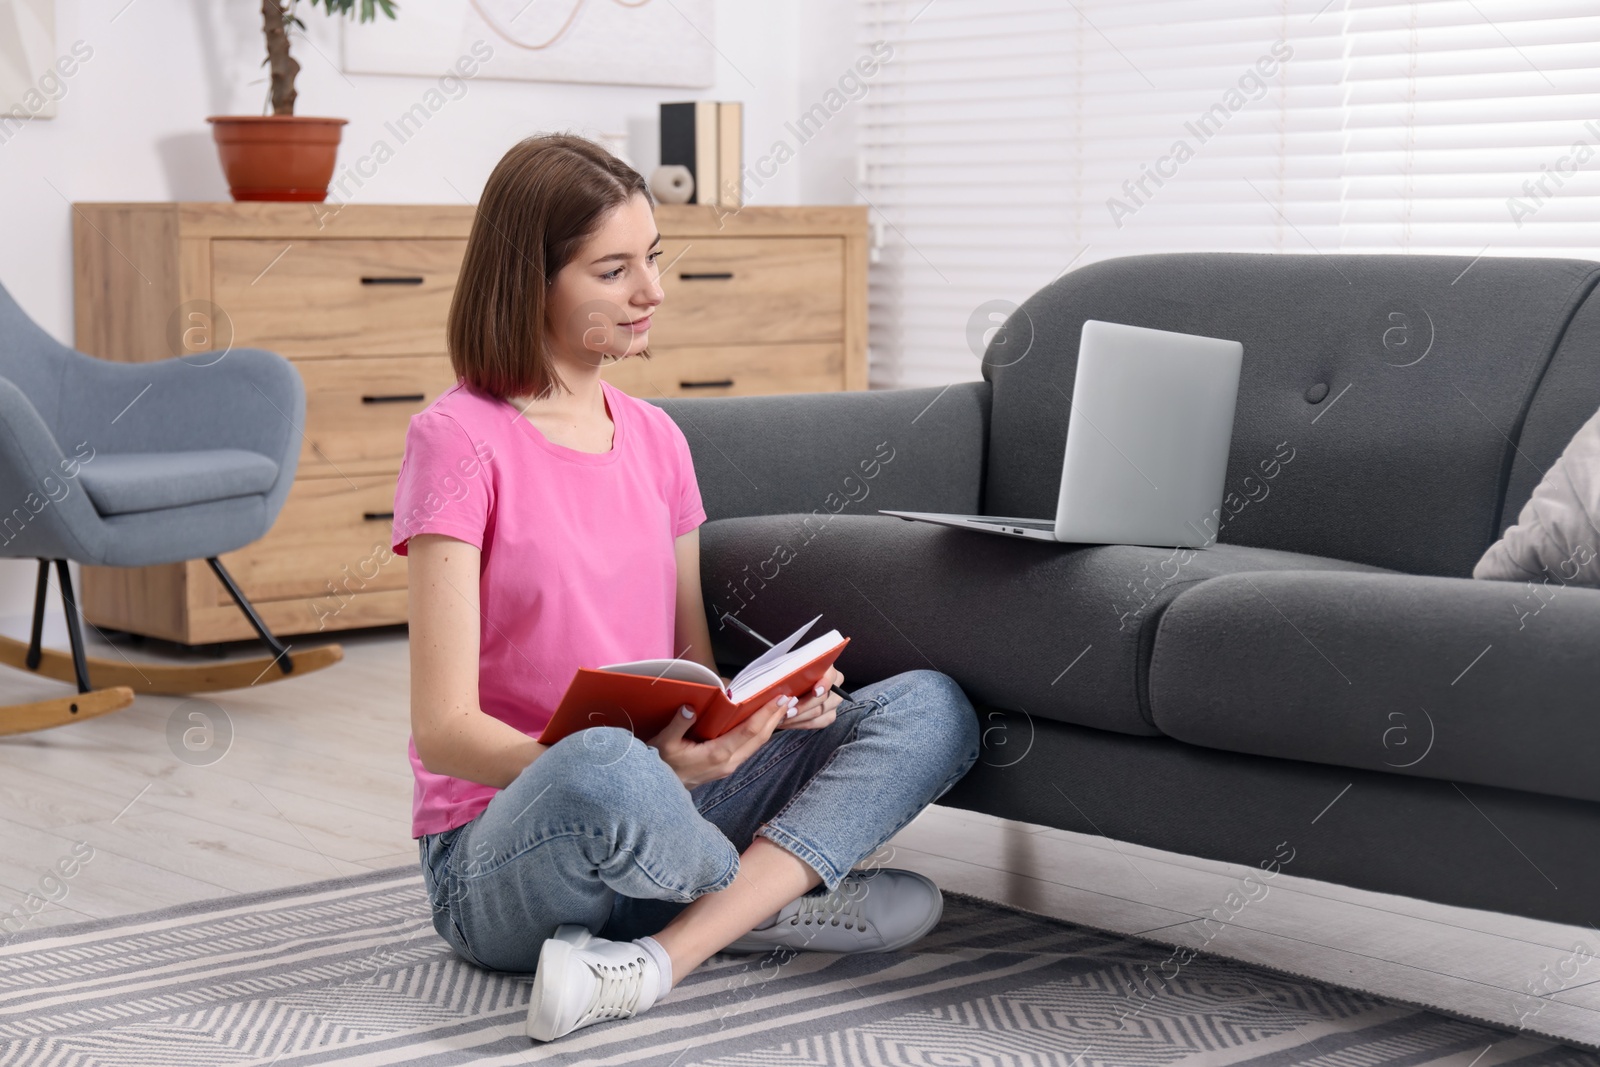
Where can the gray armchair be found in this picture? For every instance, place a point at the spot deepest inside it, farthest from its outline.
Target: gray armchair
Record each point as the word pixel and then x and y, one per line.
pixel 134 464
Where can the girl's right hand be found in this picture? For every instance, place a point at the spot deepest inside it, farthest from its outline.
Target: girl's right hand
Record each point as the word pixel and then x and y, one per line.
pixel 698 762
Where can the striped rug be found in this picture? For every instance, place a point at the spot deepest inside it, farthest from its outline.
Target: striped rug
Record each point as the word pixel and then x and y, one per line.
pixel 351 972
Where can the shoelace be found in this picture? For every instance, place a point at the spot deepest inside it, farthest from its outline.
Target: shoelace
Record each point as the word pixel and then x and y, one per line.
pixel 620 987
pixel 847 903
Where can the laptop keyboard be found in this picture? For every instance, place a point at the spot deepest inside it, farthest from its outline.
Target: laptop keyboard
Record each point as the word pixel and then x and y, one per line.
pixel 1026 524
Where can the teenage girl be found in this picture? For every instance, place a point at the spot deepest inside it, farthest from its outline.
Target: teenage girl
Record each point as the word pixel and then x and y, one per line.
pixel 551 523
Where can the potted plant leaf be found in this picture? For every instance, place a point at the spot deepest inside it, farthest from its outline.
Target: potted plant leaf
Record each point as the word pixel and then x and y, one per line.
pixel 284 156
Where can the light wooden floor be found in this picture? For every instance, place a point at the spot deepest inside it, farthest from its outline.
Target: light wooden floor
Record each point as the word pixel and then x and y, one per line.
pixel 315 784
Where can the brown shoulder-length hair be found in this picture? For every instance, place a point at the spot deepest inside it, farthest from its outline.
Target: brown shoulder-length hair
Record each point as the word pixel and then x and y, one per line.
pixel 545 197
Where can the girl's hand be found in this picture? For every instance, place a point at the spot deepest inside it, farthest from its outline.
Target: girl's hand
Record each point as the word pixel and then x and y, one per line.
pixel 698 762
pixel 819 708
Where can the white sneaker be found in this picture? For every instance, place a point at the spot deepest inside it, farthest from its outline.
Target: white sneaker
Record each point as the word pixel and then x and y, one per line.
pixel 575 935
pixel 583 979
pixel 871 911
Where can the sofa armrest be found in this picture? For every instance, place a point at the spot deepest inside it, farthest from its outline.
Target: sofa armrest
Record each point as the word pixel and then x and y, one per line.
pixel 799 453
pixel 1467 681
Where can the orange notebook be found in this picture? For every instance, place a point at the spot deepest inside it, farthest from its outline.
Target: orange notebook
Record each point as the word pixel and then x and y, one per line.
pixel 644 695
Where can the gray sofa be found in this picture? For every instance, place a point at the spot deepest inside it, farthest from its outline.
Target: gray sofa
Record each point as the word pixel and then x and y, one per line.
pixel 1325 678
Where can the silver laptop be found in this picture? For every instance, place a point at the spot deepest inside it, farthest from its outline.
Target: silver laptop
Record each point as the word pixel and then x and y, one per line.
pixel 1147 442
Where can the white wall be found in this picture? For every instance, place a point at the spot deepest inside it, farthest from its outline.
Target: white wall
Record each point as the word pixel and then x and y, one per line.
pixel 131 126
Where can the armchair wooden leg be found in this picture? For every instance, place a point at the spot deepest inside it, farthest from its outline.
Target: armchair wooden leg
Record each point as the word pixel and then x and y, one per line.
pixel 59 711
pixel 26 718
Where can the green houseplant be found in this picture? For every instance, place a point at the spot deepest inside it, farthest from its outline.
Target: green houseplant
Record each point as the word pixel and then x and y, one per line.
pixel 284 156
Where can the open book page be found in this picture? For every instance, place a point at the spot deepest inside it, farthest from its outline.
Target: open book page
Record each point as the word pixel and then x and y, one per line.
pixel 771 665
pixel 750 682
pixel 684 670
pixel 771 655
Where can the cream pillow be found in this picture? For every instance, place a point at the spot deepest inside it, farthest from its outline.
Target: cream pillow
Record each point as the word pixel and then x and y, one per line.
pixel 1557 535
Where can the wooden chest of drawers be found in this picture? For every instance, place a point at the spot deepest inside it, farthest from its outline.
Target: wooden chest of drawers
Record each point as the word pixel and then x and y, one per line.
pixel 765 300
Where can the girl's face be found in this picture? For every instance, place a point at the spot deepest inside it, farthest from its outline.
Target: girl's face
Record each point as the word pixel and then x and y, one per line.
pixel 612 282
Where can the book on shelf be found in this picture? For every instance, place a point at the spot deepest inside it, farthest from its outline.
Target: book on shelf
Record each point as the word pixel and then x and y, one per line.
pixel 643 695
pixel 706 136
pixel 730 154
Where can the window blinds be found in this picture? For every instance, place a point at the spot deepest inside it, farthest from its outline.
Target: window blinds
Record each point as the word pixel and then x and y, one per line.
pixel 1011 140
pixel 1471 126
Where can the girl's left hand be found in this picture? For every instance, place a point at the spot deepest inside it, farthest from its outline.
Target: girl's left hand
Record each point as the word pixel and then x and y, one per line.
pixel 817 709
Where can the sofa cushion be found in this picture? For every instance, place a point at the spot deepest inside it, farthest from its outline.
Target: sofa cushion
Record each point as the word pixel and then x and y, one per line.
pixel 1400 381
pixel 1484 682
pixel 149 481
pixel 1058 631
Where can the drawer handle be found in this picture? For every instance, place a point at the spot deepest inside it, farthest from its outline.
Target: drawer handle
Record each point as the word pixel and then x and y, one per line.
pixel 719 275
pixel 717 383
pixel 391 281
pixel 394 398
pixel 374 516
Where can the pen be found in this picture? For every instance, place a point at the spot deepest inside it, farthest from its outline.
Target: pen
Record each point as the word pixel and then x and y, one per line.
pixel 726 617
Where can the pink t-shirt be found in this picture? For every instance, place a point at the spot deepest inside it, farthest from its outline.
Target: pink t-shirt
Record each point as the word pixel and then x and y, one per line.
pixel 578 567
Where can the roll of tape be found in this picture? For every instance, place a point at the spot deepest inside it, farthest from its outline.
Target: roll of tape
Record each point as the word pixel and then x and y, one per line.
pixel 672 184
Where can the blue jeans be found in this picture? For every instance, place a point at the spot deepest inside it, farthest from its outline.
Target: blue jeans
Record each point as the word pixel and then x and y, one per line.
pixel 599 831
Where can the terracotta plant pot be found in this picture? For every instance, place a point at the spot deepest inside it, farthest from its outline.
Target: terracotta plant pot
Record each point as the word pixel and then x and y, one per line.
pixel 277 157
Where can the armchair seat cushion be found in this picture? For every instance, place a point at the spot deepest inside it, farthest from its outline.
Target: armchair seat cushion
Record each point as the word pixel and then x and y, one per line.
pixel 1057 631
pixel 121 484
